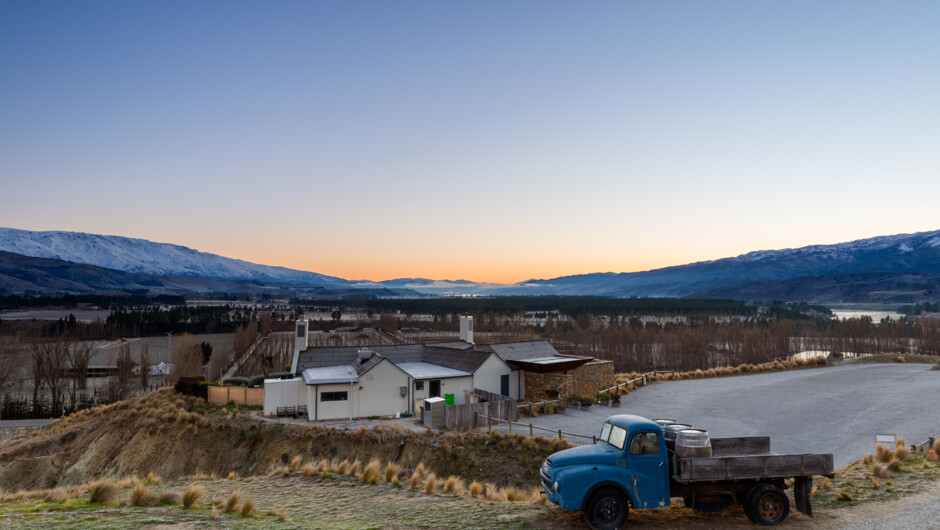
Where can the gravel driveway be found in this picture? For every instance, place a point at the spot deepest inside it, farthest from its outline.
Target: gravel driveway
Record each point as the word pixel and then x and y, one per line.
pixel 836 410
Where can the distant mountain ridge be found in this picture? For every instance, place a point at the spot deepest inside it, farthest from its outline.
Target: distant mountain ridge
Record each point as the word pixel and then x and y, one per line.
pixel 903 267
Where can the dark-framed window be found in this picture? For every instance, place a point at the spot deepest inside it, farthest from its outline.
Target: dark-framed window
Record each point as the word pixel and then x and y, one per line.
pixel 334 396
pixel 419 385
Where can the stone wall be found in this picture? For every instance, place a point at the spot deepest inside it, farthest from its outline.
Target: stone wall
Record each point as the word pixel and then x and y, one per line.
pixel 585 380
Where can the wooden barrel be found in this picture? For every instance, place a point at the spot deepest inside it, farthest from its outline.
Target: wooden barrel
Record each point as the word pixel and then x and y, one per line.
pixel 693 443
pixel 663 423
pixel 670 431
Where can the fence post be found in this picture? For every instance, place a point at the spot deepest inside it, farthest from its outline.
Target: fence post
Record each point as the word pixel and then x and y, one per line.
pixel 531 432
pixel 510 429
pixel 559 434
pixel 594 438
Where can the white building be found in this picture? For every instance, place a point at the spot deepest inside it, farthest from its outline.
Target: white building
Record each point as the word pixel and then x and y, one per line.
pixel 352 382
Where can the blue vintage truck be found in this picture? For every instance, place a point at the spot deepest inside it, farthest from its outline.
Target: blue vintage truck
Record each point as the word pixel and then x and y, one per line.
pixel 631 466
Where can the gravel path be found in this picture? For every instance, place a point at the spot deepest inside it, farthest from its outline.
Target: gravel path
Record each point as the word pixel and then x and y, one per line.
pixel 836 410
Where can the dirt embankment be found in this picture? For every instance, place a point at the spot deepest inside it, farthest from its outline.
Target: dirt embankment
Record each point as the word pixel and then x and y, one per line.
pixel 174 437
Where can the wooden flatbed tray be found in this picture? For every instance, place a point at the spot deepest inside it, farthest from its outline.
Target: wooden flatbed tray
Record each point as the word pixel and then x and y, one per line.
pixel 750 458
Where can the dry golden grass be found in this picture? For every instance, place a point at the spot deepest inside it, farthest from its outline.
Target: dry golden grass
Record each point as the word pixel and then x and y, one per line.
pixel 370 474
pixel 309 470
pixel 231 503
pixel 343 467
pixel 901 452
pixel 355 468
pixel 874 483
pixel 900 358
pixel 295 463
pixel 883 453
pixel 415 480
pixel 894 464
pixel 248 508
pixel 494 494
pixel 141 496
pixel 454 485
pixel 103 492
pixel 277 514
pixel 421 471
pixel 429 485
pixel 845 496
pixel 391 472
pixel 192 497
pixel 215 513
pixel 476 489
pixel 868 459
pixel 321 466
pixel 514 494
pixel 152 479
pixel 825 484
pixel 879 470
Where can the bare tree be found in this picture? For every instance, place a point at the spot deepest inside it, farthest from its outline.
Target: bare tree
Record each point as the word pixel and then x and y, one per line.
pixel 79 357
pixel 218 361
pixel 9 361
pixel 144 365
pixel 48 361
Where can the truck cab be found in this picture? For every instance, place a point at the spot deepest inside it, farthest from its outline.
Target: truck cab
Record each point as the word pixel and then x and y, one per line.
pixel 628 466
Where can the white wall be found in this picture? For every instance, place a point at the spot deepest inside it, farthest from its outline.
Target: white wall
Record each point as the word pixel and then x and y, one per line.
pixel 517 385
pixel 283 393
pixel 487 376
pixel 332 410
pixel 381 395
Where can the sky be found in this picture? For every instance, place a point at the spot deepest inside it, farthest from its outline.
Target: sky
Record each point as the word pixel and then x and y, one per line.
pixel 489 141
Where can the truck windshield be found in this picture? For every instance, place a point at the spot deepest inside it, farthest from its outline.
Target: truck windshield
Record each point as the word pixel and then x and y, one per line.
pixel 617 436
pixel 605 432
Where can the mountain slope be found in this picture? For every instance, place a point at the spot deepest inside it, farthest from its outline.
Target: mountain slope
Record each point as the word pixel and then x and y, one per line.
pixel 140 256
pixel 906 253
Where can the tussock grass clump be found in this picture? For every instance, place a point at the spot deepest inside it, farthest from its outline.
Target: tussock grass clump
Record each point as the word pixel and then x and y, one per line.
pixel 453 485
pixel 883 453
pixel 874 483
pixel 936 446
pixel 415 480
pixel 370 473
pixel 391 472
pixel 894 464
pixel 152 479
pixel 355 468
pixel 141 496
pixel 514 494
pixel 825 483
pixel 879 470
pixel 231 503
pixel 295 463
pixel 476 489
pixel 421 471
pixel 58 494
pixel 559 444
pixel 277 514
pixel 901 452
pixel 309 470
pixel 429 485
pixel 321 466
pixel 215 513
pixel 103 492
pixel 868 459
pixel 900 358
pixel 845 496
pixel 192 497
pixel 494 494
pixel 343 467
pixel 248 508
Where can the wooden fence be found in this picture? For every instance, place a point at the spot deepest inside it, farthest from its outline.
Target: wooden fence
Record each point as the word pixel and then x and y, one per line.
pixel 220 395
pixel 638 381
pixel 495 405
pixel 521 428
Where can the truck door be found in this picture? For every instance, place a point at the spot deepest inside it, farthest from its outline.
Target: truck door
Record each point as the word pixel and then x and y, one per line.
pixel 647 471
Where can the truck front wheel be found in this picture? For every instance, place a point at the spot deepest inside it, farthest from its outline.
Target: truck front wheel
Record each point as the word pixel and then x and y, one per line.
pixel 607 509
pixel 767 504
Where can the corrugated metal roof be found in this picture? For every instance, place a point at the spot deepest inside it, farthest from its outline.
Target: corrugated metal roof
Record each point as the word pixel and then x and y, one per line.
pixel 421 370
pixel 349 355
pixel 330 374
pixel 466 360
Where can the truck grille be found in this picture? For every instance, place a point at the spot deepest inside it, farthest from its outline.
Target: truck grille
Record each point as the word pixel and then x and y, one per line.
pixel 546 479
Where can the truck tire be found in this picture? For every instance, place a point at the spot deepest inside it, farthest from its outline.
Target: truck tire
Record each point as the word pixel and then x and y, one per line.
pixel 767 505
pixel 607 509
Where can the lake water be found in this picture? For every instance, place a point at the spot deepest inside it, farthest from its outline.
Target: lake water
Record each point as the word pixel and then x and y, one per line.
pixel 858 313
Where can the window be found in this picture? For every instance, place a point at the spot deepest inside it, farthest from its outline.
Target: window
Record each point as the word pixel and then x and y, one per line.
pixel 605 432
pixel 419 385
pixel 301 331
pixel 333 396
pixel 644 443
pixel 618 435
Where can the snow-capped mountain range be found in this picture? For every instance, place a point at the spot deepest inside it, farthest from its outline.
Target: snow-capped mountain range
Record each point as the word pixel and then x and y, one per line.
pixel 906 263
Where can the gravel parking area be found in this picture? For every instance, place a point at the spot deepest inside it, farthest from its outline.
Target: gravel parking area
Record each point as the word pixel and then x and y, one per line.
pixel 836 410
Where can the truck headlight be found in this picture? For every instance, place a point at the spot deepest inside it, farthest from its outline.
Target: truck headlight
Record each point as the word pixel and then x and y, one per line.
pixel 556 486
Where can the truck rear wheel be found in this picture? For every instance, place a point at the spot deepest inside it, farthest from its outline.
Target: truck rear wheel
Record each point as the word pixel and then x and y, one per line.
pixel 767 505
pixel 607 509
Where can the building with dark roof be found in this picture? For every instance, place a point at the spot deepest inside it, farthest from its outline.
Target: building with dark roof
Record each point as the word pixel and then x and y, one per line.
pixel 349 381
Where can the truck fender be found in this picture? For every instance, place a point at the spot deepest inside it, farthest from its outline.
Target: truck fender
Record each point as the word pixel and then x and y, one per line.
pixel 604 484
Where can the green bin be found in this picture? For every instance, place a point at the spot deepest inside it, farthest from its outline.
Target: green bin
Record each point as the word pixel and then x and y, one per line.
pixel 448 399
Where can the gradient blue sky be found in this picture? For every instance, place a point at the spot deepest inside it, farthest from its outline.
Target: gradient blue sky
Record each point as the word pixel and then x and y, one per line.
pixel 491 141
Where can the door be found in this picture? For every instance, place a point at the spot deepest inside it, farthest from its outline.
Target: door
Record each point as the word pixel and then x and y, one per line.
pixel 434 389
pixel 647 471
pixel 504 384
